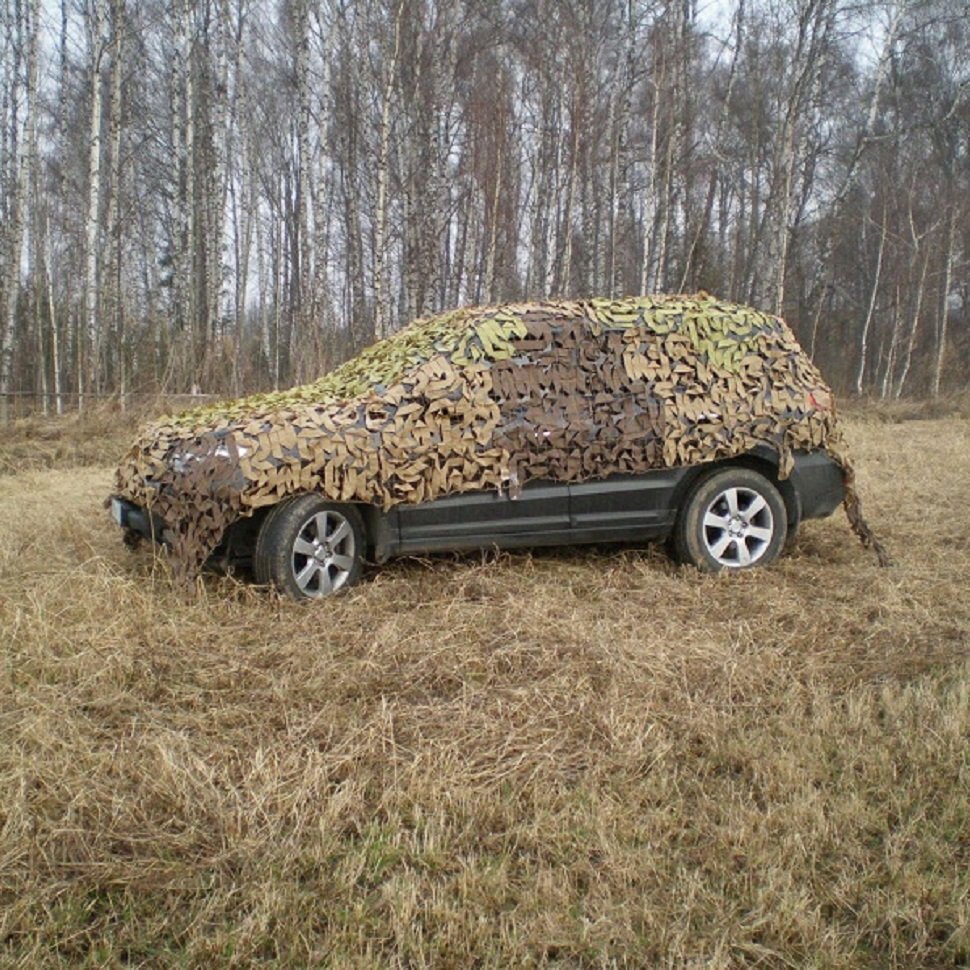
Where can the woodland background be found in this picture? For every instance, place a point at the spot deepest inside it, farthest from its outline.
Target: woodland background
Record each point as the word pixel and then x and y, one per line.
pixel 225 195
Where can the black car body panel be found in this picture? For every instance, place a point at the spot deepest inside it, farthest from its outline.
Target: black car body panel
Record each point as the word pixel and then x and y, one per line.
pixel 620 508
pixel 818 481
pixel 471 519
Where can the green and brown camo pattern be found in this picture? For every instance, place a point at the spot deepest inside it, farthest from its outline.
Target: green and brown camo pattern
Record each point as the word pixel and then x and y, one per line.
pixel 493 397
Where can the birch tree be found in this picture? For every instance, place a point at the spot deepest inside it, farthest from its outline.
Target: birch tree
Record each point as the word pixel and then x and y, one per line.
pixel 389 61
pixel 22 40
pixel 92 330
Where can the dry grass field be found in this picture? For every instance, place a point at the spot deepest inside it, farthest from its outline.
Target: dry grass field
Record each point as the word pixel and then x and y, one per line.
pixel 577 758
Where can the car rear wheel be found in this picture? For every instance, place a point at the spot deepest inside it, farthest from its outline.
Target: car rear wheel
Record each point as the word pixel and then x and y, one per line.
pixel 732 519
pixel 309 548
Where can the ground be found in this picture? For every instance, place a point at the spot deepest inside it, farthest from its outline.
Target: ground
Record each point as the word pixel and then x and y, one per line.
pixel 571 758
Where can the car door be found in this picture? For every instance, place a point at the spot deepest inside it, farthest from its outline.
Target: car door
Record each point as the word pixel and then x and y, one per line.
pixel 626 424
pixel 624 506
pixel 538 515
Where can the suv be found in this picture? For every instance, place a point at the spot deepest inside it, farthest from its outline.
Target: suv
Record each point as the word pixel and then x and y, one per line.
pixel 662 417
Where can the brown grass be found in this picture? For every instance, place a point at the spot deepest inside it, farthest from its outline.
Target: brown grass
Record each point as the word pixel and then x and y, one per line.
pixel 98 435
pixel 573 758
pixel 953 405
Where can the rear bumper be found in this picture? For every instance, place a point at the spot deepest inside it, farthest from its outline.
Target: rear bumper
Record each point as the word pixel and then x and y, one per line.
pixel 134 518
pixel 818 482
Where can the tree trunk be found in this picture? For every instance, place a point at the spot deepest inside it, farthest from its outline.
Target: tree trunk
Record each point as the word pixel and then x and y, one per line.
pixel 648 277
pixel 566 270
pixel 304 221
pixel 92 327
pixel 874 292
pixel 52 311
pixel 914 326
pixel 894 338
pixel 115 298
pixel 187 264
pixel 382 287
pixel 22 164
pixel 944 308
pixel 497 189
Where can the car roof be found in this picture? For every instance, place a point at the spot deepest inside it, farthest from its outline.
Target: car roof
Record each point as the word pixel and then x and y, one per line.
pixel 469 335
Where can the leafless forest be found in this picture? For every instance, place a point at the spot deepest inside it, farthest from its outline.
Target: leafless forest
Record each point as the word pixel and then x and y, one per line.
pixel 222 195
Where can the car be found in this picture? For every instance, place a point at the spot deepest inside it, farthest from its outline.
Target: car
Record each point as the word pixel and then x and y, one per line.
pixel 665 417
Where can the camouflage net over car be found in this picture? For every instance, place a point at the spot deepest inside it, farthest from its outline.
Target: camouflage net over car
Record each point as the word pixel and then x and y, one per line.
pixel 493 397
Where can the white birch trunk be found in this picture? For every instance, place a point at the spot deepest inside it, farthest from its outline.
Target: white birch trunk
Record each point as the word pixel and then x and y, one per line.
pixel 782 228
pixel 436 207
pixel 322 217
pixel 262 279
pixel 565 285
pixel 187 257
pixel 36 202
pixel 895 336
pixel 213 203
pixel 913 327
pixel 92 328
pixel 667 205
pixel 490 252
pixel 941 328
pixel 306 295
pixel 648 278
pixel 864 344
pixel 557 192
pixel 114 288
pixel 52 315
pixel 538 200
pixel 23 151
pixel 381 282
pixel 55 342
pixel 615 128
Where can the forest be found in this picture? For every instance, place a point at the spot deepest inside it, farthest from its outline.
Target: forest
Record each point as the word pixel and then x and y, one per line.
pixel 218 196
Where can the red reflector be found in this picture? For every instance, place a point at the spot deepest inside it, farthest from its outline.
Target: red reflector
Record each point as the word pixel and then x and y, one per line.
pixel 820 400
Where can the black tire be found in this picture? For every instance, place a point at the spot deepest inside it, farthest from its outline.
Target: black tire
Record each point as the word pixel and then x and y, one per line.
pixel 309 548
pixel 733 518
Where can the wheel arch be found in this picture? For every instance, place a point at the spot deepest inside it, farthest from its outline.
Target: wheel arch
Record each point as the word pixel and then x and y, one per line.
pixel 309 547
pixel 240 538
pixel 762 459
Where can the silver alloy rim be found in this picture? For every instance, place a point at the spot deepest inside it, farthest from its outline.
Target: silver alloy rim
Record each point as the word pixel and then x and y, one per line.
pixel 738 527
pixel 323 554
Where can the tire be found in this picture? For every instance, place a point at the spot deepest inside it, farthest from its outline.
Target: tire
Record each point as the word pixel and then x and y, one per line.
pixel 731 519
pixel 309 548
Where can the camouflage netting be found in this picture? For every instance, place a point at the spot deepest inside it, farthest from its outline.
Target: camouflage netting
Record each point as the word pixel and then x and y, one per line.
pixel 492 397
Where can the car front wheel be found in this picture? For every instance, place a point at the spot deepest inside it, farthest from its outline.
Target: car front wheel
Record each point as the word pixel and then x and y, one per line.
pixel 309 548
pixel 732 519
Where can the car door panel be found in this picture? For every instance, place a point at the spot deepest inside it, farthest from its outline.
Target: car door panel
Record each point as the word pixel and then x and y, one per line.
pixel 540 514
pixel 621 506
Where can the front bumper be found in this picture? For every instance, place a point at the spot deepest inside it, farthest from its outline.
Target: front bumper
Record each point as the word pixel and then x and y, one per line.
pixel 140 521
